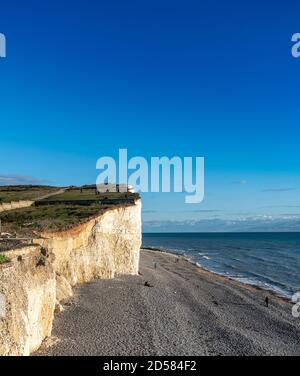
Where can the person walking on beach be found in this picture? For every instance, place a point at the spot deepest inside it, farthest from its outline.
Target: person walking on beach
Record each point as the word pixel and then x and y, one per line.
pixel 267 301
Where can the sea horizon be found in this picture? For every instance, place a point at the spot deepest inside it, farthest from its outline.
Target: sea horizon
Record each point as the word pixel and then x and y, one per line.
pixel 223 232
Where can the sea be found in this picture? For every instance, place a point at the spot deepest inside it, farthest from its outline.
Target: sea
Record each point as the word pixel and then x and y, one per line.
pixel 268 260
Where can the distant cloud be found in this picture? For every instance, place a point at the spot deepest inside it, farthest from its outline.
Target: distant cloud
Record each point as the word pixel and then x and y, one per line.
pixel 261 223
pixel 15 179
pixel 279 190
pixel 183 211
pixel 240 182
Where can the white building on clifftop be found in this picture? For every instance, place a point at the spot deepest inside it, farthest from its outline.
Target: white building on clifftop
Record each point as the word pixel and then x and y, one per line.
pixel 107 187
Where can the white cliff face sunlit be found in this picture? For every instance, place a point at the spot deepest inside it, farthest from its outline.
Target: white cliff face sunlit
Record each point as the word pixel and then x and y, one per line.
pixel 41 276
pixel 101 248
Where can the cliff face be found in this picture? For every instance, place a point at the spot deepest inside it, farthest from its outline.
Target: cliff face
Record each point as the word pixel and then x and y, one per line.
pixel 28 295
pixel 40 277
pixel 100 248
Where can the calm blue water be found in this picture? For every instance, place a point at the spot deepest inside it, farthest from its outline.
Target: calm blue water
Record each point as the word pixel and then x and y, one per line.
pixel 268 260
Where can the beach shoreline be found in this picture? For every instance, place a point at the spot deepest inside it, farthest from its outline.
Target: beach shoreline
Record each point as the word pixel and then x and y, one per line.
pixel 202 269
pixel 183 311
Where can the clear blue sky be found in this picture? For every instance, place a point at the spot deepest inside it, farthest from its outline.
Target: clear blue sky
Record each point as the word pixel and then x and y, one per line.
pixel 214 79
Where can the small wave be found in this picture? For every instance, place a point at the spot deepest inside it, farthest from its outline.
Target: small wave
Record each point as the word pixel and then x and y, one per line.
pixel 263 285
pixel 203 255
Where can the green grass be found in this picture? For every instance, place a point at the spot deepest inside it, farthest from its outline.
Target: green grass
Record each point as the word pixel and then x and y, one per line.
pixel 4 259
pixel 23 192
pixel 47 218
pixel 61 213
pixel 89 194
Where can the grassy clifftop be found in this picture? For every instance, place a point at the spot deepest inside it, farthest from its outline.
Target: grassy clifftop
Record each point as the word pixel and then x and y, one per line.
pixel 90 194
pixel 46 218
pixel 59 212
pixel 24 192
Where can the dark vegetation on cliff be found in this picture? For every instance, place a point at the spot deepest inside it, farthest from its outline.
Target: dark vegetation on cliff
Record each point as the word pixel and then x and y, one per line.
pixel 46 218
pixel 3 259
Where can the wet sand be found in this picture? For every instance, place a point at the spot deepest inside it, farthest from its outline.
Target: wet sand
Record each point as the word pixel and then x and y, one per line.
pixel 186 311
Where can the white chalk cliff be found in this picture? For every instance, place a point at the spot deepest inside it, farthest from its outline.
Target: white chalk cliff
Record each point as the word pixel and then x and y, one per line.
pixel 40 277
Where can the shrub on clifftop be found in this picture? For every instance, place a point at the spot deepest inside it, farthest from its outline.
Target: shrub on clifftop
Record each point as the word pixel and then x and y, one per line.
pixel 3 259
